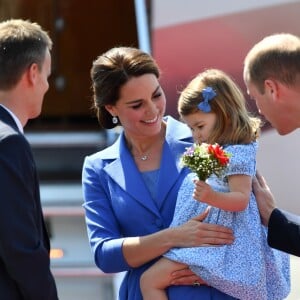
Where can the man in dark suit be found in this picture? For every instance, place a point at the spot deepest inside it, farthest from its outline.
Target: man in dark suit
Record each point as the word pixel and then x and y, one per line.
pixel 25 64
pixel 272 77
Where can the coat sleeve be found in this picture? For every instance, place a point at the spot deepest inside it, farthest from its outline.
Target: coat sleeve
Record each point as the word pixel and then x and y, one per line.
pixel 102 225
pixel 284 232
pixel 23 249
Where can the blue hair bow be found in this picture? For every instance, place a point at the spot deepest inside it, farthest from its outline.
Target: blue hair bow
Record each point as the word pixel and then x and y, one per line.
pixel 207 94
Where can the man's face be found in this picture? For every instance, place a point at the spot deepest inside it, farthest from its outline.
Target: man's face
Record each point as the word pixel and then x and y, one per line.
pixel 259 98
pixel 41 86
pixel 270 106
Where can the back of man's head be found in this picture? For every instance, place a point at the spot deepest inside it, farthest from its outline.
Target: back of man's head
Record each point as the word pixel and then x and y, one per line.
pixel 275 57
pixel 22 43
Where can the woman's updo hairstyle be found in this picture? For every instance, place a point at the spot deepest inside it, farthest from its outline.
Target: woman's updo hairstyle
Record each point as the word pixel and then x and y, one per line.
pixel 110 71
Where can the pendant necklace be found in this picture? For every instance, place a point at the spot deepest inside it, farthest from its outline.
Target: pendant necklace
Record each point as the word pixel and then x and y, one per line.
pixel 144 157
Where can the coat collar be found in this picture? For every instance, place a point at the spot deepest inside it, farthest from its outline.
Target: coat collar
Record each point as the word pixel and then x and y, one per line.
pixel 176 131
pixel 123 170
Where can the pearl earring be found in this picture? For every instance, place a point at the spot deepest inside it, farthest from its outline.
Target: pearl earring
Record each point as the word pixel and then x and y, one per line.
pixel 115 120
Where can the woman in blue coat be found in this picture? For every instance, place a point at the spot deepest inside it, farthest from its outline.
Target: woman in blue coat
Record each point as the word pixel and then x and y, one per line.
pixel 130 188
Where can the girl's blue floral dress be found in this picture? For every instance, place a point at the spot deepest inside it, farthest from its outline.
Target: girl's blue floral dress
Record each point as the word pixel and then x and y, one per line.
pixel 248 269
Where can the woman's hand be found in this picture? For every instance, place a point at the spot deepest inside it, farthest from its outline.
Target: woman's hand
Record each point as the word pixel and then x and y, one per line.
pixel 186 277
pixel 196 233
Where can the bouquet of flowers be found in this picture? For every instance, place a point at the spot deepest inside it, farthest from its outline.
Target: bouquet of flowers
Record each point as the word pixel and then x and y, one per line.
pixel 206 159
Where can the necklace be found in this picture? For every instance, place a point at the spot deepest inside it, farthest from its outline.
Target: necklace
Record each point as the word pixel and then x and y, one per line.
pixel 144 157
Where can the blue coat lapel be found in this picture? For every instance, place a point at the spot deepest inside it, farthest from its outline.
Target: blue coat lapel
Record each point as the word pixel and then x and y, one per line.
pixel 178 137
pixel 125 173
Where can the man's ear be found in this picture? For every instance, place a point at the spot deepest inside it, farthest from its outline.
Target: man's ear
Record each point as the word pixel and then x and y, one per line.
pixel 32 73
pixel 272 88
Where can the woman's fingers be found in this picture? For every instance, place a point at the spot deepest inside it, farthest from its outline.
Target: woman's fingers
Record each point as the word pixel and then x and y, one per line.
pixel 213 234
pixel 186 277
pixel 203 215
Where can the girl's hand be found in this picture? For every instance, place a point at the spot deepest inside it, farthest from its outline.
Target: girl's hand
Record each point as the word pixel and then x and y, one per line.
pixel 202 192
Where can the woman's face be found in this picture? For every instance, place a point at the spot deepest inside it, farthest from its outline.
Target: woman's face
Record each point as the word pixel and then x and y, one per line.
pixel 141 106
pixel 201 124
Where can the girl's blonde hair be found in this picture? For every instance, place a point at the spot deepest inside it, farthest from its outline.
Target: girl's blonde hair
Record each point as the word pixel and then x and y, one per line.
pixel 234 125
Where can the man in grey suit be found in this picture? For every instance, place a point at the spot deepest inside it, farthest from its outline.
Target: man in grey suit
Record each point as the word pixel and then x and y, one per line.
pixel 25 65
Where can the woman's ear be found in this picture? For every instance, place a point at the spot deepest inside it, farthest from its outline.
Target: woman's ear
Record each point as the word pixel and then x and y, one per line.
pixel 111 109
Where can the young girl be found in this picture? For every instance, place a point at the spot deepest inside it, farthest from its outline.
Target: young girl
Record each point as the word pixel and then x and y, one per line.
pixel 215 110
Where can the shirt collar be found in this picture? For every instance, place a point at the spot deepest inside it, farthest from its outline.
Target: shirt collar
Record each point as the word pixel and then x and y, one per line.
pixel 20 127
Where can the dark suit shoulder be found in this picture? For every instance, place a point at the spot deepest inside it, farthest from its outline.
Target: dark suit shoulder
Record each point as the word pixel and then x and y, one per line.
pixel 284 232
pixel 6 130
pixel 14 148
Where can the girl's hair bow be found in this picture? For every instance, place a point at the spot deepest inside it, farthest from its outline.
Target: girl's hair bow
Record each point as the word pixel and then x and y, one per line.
pixel 207 94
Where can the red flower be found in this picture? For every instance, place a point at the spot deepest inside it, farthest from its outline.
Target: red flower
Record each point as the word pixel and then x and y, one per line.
pixel 217 151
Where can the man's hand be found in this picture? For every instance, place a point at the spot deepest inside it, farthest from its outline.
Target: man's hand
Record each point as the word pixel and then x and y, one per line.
pixel 264 198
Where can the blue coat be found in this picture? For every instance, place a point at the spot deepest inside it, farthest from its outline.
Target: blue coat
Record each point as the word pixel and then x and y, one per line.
pixel 118 205
pixel 24 243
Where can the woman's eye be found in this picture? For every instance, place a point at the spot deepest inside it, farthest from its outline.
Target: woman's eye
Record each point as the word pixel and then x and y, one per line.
pixel 137 106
